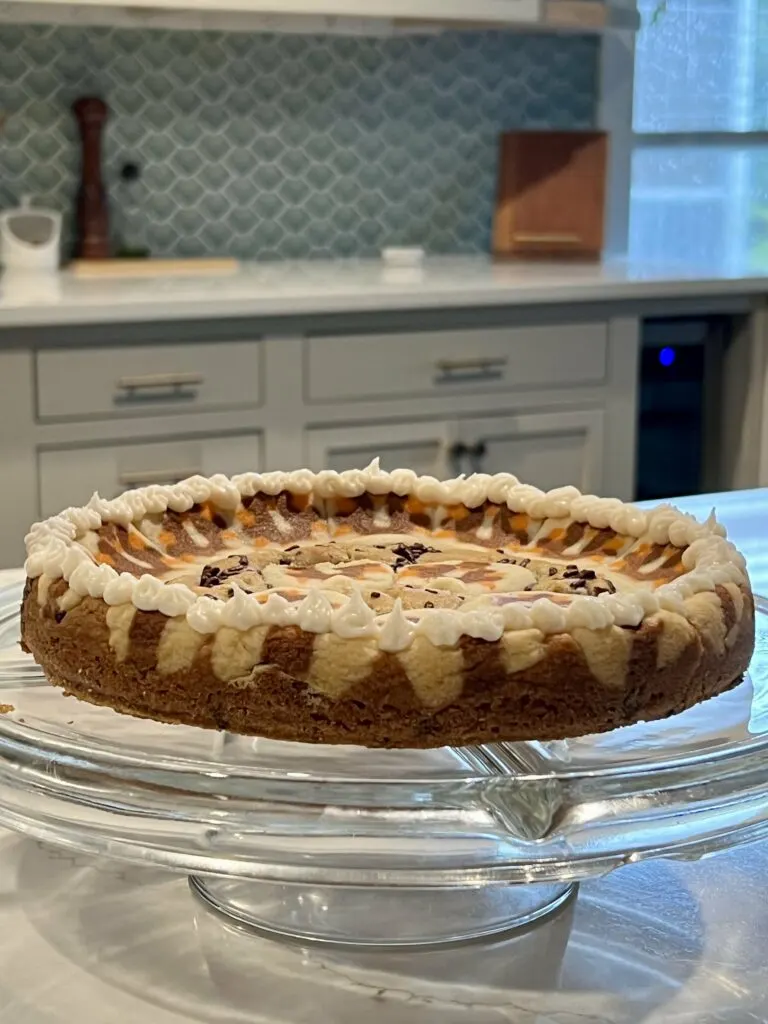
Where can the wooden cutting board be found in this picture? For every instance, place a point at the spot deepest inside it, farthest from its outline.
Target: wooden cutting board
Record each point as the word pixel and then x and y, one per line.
pixel 551 198
pixel 115 268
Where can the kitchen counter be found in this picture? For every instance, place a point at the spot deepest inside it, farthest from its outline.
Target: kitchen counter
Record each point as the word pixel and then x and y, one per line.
pixel 361 286
pixel 87 939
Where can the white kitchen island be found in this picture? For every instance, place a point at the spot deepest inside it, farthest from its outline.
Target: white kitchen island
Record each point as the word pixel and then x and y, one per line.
pixel 458 365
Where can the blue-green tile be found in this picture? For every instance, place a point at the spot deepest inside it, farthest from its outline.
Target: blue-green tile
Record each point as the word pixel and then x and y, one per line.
pixel 346 162
pixel 239 191
pixel 292 162
pixel 161 118
pixel 213 206
pixel 159 147
pixel 293 219
pixel 159 178
pixel 215 236
pixel 292 190
pixel 160 207
pixel 239 161
pixel 267 145
pixel 213 177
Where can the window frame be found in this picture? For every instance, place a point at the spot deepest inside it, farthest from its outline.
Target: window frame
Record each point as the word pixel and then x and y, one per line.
pixel 615 115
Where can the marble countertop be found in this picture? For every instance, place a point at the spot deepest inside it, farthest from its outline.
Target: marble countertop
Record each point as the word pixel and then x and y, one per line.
pixel 311 288
pixel 86 939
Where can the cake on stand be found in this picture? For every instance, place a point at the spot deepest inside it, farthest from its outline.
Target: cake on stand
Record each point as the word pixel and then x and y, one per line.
pixel 343 846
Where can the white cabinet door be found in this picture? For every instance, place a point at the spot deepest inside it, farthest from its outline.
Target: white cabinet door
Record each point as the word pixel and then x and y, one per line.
pixel 548 449
pixel 421 446
pixel 70 476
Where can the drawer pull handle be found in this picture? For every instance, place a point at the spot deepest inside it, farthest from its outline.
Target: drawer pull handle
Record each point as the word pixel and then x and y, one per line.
pixel 452 370
pixel 159 381
pixel 144 477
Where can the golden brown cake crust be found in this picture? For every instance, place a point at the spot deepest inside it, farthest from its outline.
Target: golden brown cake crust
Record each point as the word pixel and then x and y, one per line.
pixel 555 698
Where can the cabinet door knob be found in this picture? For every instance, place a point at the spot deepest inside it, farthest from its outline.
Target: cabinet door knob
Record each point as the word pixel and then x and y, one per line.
pixel 456 455
pixel 477 455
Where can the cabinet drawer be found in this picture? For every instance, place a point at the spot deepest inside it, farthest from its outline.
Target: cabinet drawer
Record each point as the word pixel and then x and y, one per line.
pixel 138 379
pixel 69 476
pixel 452 362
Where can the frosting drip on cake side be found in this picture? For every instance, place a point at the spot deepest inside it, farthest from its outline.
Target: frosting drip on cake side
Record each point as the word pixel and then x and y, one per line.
pixel 357 554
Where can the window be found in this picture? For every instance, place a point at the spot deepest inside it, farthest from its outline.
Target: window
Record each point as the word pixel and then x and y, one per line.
pixel 700 147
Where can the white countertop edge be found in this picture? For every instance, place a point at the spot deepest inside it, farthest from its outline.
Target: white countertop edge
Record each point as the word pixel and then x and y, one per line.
pixel 327 287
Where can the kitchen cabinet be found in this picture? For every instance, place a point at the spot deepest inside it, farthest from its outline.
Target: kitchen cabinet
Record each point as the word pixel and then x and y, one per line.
pixel 69 476
pixel 545 449
pixel 423 446
pixel 548 397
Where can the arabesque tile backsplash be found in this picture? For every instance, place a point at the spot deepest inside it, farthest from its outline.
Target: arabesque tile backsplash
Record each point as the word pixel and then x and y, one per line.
pixel 285 146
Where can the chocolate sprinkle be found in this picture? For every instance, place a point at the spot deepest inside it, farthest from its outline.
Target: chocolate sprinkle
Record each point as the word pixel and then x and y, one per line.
pixel 59 616
pixel 409 554
pixel 412 552
pixel 213 575
pixel 209 577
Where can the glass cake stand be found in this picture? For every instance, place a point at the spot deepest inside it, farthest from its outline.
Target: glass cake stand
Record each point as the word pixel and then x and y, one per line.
pixel 382 849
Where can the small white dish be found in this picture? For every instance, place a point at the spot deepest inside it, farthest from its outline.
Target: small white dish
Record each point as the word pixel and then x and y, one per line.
pixel 411 256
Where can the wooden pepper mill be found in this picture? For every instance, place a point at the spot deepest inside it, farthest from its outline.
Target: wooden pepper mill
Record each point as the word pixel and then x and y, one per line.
pixel 92 209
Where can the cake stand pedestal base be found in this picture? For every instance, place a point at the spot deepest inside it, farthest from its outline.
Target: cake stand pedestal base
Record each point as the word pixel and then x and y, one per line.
pixel 379 918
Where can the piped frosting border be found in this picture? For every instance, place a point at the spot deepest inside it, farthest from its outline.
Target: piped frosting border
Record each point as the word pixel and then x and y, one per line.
pixel 53 550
